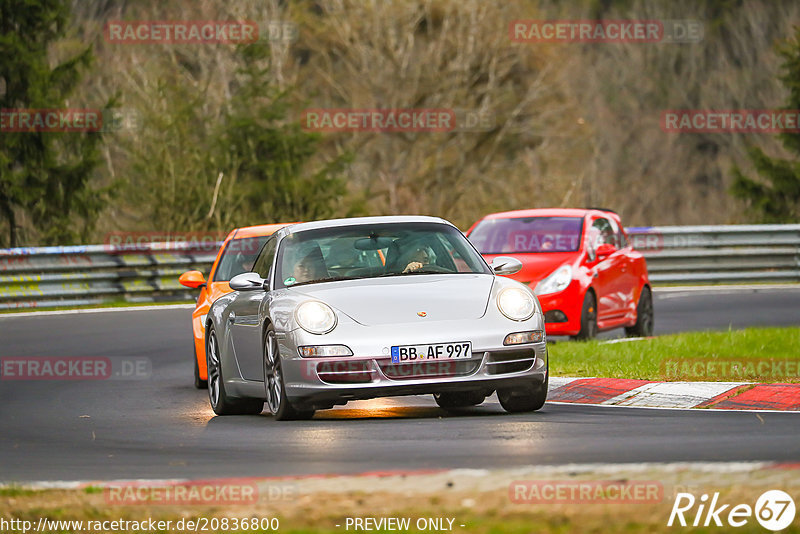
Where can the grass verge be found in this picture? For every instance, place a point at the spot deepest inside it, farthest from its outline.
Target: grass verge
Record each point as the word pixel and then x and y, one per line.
pixel 753 354
pixel 463 503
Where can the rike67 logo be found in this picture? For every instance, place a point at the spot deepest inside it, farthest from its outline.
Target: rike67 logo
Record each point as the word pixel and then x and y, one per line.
pixel 774 510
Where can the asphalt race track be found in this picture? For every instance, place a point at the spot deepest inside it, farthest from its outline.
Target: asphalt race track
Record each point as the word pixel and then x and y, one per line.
pixel 162 427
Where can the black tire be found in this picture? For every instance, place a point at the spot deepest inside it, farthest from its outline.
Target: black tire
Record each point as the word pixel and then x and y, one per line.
pixel 645 318
pixel 277 401
pixel 450 400
pixel 221 403
pixel 588 318
pixel 518 400
pixel 199 383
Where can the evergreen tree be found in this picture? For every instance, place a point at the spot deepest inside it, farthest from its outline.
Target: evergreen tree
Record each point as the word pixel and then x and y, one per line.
pixel 776 199
pixel 270 153
pixel 43 174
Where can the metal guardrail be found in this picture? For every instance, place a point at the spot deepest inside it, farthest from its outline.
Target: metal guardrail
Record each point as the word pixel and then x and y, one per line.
pixel 720 254
pixel 69 276
pixel 42 277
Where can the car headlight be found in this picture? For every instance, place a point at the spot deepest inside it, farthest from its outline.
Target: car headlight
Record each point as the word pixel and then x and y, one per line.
pixel 315 317
pixel 556 281
pixel 516 304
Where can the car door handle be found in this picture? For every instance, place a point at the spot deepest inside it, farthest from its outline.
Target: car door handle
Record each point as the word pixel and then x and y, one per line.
pixel 232 317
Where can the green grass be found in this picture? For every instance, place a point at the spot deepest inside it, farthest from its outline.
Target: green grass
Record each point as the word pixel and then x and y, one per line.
pixel 752 354
pixel 492 513
pixel 15 491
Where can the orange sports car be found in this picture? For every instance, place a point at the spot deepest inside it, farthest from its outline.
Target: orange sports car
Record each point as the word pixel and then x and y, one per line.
pixel 235 256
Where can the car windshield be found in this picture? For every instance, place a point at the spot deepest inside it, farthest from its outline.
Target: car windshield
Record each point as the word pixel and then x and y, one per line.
pixel 374 250
pixel 528 234
pixel 238 257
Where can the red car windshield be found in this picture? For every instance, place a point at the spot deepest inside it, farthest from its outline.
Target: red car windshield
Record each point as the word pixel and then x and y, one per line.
pixel 528 234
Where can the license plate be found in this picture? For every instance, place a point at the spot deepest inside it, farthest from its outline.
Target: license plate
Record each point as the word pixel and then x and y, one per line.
pixel 438 351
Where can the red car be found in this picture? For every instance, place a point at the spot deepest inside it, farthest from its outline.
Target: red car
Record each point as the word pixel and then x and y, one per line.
pixel 579 262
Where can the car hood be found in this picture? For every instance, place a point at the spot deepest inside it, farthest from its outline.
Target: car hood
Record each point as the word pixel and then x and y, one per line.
pixel 401 299
pixel 536 266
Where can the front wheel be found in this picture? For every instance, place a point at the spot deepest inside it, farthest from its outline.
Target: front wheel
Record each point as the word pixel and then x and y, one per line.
pixel 645 319
pixel 588 318
pixel 277 401
pixel 221 403
pixel 458 399
pixel 517 400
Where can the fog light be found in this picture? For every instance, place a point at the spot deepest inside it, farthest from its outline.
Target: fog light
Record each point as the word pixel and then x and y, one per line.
pixel 517 338
pixel 555 316
pixel 321 351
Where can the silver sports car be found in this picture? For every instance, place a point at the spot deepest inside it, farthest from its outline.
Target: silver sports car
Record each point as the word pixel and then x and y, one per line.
pixel 374 307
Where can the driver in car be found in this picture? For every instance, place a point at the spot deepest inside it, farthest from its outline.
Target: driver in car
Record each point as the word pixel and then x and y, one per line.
pixel 418 259
pixel 311 267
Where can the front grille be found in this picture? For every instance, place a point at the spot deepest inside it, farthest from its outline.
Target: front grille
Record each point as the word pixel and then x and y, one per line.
pixel 346 371
pixel 510 361
pixel 429 369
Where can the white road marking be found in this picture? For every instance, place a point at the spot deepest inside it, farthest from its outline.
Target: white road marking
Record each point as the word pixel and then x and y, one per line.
pixel 99 310
pixel 714 410
pixel 672 394
pixel 623 340
pixel 556 382
pixel 684 291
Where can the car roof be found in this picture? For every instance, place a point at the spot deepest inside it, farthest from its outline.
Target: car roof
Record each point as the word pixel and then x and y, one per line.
pixel 548 212
pixel 352 221
pixel 257 231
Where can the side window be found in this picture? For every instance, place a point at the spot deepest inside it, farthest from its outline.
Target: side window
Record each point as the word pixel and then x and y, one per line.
pixel 603 233
pixel 264 261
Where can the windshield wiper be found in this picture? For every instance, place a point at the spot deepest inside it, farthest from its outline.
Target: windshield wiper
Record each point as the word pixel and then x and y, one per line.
pixel 418 271
pixel 328 279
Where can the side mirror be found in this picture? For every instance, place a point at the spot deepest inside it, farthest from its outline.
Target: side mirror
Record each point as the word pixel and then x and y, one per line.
pixel 604 250
pixel 248 282
pixel 193 279
pixel 506 265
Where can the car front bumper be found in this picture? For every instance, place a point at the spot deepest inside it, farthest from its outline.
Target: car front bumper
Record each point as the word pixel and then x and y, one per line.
pixel 570 303
pixel 369 373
